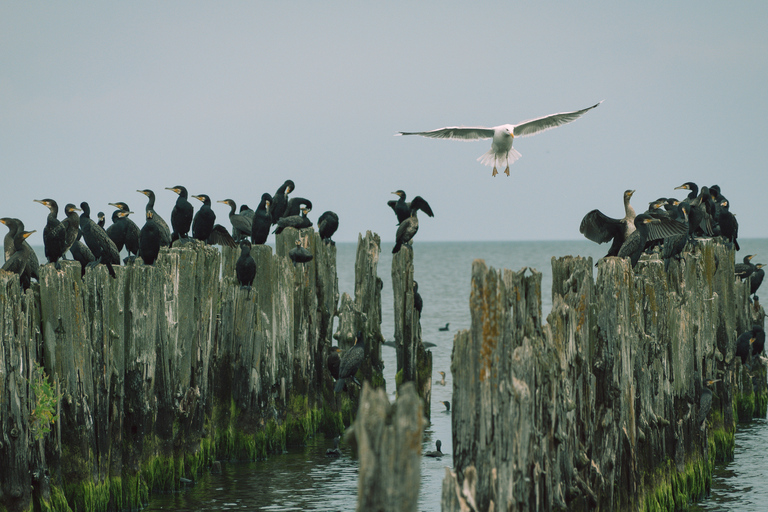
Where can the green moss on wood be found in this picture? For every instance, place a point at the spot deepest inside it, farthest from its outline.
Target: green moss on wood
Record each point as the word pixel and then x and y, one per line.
pixel 669 489
pixel 745 406
pixel 57 503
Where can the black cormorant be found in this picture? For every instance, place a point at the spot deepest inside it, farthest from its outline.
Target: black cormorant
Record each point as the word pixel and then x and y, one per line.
pixel 674 245
pixel 447 405
pixel 648 229
pixel 402 208
pixel 600 228
pixel 81 253
pixel 410 226
pixel 14 226
pixel 181 215
pixel 296 205
pixel 334 362
pixel 327 225
pixel 72 224
pixel 203 227
pixel 418 302
pixel 54 233
pixel 756 279
pixel 246 266
pixel 293 221
pixel 21 259
pixel 705 403
pixel 165 232
pixel 744 344
pixel 350 362
pixel 441 381
pixel 694 191
pixel 102 220
pixel 130 231
pixel 759 344
pixel 728 226
pixel 103 248
pixel 436 453
pixel 699 215
pixel 334 452
pixel 280 200
pixel 299 254
pixel 241 224
pixel 262 221
pixel 150 238
pixel 745 269
pixel 444 328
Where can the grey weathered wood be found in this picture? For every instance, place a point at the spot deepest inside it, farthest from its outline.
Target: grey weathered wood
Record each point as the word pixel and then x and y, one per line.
pixel 388 438
pixel 573 415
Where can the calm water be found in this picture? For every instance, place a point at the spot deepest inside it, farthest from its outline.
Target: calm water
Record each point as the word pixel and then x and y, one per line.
pixel 304 479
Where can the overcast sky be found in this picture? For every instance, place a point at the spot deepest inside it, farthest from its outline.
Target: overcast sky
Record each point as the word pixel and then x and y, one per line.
pixel 230 99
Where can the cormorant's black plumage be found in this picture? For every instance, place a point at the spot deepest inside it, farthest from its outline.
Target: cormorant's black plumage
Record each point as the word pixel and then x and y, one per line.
pixel 280 200
pixel 181 215
pixel 14 226
pixel 300 254
pixel 600 228
pixel 262 221
pixel 327 225
pixel 103 248
pixel 204 227
pixel 21 259
pixel 241 223
pixel 350 362
pixel 245 268
pixel 410 226
pixel 150 238
pixel 165 232
pixel 54 233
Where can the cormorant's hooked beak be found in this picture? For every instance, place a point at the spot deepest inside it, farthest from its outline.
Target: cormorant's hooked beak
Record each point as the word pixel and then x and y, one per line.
pixel 44 203
pixel 684 187
pixel 28 233
pixel 199 198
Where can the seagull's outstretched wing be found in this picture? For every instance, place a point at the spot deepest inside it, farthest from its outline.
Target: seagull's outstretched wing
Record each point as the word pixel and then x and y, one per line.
pixel 456 132
pixel 541 124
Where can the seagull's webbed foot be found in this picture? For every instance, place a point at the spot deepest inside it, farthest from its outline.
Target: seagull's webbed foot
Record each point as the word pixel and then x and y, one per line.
pixel 506 171
pixel 495 172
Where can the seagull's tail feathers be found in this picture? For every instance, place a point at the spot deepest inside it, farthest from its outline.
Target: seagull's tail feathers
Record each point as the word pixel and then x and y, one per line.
pixel 491 159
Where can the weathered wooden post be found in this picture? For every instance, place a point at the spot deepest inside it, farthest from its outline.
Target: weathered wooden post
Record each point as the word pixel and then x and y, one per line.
pixel 414 362
pixel 388 438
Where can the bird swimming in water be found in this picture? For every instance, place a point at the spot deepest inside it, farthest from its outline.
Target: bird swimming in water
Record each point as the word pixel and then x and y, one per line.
pixel 447 405
pixel 299 254
pixel 327 225
pixel 503 135
pixel 245 268
pixel 444 328
pixel 350 362
pixel 334 452
pixel 410 226
pixel 442 380
pixel 436 453
pixel 600 228
pixel 165 232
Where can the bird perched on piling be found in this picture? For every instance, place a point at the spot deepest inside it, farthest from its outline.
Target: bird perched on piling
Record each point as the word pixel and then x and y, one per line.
pixel 600 228
pixel 334 362
pixel 123 231
pixel 745 341
pixel 674 245
pixel 418 302
pixel 327 225
pixel 756 279
pixel 350 362
pixel 245 268
pixel 503 135
pixel 295 205
pixel 14 226
pixel 165 232
pixel 262 221
pixel 759 344
pixel 241 224
pixel 204 227
pixel 103 248
pixel 436 453
pixel 151 238
pixel 410 226
pixel 648 229
pixel 54 233
pixel 293 221
pixel 280 200
pixel 705 403
pixel 181 215
pixel 402 208
pixel 20 261
pixel 299 254
pixel 81 253
pixel 746 268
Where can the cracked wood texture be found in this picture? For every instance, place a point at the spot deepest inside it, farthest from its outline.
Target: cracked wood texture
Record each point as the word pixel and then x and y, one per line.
pixel 584 412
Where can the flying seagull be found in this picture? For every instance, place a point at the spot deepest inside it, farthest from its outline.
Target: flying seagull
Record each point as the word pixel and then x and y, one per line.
pixel 503 135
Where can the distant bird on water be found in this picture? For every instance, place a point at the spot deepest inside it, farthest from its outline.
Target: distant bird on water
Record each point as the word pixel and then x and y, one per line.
pixel 503 135
pixel 444 328
pixel 334 452
pixel 447 405
pixel 442 380
pixel 436 453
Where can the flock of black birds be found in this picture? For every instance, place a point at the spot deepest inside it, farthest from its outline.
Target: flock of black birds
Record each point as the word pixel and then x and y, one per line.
pixel 91 242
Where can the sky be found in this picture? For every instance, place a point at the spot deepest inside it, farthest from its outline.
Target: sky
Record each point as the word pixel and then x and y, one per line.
pixel 230 99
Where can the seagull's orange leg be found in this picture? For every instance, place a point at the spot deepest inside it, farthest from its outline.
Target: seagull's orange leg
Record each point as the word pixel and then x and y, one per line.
pixel 506 171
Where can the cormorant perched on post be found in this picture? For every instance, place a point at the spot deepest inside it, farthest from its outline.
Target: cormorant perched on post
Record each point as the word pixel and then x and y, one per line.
pixel 299 254
pixel 744 344
pixel 128 230
pixel 151 238
pixel 14 226
pixel 102 220
pixel 418 302
pixel 245 269
pixel 103 248
pixel 694 191
pixel 181 215
pixel 600 228
pixel 402 208
pixel 727 225
pixel 54 233
pixel 759 344
pixel 71 224
pixel 334 362
pixel 408 228
pixel 280 200
pixel 262 221
pixel 293 221
pixel 705 403
pixel 81 253
pixel 20 261
pixel 674 245
pixel 241 225
pixel 327 225
pixel 745 269
pixel 436 453
pixel 203 227
pixel 296 205
pixel 350 362
pixel 699 217
pixel 756 279
pixel 165 232
pixel 635 244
